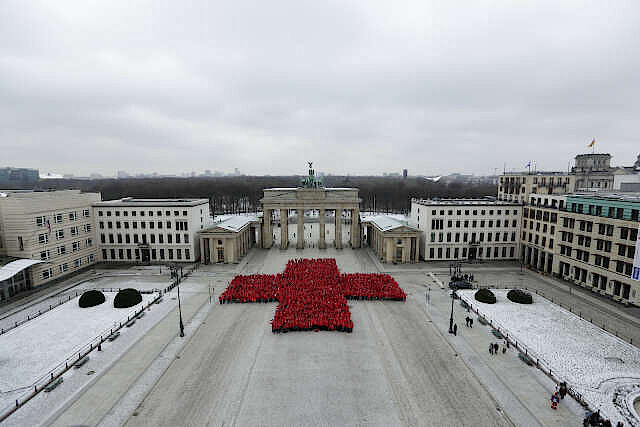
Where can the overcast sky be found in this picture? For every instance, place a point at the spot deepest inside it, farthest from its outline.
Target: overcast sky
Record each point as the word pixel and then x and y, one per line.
pixel 357 87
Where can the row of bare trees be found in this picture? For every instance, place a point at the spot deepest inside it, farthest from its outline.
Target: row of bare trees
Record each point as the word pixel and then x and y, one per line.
pixel 243 193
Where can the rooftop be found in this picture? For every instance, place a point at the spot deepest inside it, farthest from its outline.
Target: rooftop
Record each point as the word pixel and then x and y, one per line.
pixel 386 223
pixel 130 201
pixel 233 222
pixel 537 173
pixel 464 202
pixel 625 197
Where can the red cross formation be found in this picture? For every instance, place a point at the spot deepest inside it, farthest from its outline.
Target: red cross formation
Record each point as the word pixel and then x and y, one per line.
pixel 312 294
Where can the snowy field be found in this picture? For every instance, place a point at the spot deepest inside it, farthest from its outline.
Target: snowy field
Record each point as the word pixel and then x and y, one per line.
pixel 598 365
pixel 29 351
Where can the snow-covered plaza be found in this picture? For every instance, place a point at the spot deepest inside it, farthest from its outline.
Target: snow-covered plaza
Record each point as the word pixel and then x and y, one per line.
pixel 31 350
pixel 602 368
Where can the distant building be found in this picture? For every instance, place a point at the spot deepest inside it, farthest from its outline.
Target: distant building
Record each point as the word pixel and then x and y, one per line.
pixel 517 186
pixel 18 176
pixel 49 232
pixel 150 230
pixel 467 229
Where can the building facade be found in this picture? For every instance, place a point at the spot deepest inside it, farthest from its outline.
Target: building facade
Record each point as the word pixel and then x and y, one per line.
pixel 134 230
pixel 55 227
pixel 597 238
pixel 392 240
pixel 538 235
pixel 467 229
pixel 229 240
pixel 516 187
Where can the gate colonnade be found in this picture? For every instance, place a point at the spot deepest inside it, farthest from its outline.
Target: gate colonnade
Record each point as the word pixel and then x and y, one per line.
pixel 301 199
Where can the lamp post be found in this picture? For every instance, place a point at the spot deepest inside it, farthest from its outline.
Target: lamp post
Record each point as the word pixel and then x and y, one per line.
pixel 451 318
pixel 180 310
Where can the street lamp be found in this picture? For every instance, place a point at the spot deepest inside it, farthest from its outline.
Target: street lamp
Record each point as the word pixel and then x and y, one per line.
pixel 180 310
pixel 451 318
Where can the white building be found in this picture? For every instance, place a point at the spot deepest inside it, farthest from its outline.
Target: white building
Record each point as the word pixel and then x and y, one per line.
pixel 150 230
pixel 467 229
pixel 54 228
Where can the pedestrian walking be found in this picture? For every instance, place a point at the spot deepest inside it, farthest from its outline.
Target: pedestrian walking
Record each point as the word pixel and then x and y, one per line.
pixel 471 322
pixel 496 346
pixel 455 329
pixel 491 348
pixel 554 401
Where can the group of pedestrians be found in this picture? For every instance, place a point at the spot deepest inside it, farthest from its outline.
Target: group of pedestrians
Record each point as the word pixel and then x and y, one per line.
pixel 469 321
pixel 494 348
pixel 596 420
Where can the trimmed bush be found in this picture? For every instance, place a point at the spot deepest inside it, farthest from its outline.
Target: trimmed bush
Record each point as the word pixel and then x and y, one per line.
pixel 127 298
pixel 485 296
pixel 519 296
pixel 91 299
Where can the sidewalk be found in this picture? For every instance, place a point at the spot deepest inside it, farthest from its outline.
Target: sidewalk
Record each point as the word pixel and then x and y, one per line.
pixel 522 391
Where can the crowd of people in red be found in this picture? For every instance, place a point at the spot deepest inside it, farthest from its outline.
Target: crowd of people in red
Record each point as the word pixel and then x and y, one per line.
pixel 312 294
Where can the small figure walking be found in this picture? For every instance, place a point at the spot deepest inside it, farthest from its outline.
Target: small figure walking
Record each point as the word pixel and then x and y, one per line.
pixel 554 401
pixel 455 329
pixel 490 348
pixel 471 322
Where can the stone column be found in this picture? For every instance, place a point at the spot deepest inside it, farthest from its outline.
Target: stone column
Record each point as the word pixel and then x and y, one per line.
pixel 321 243
pixel 300 243
pixel 202 259
pixel 267 231
pixel 284 228
pixel 338 222
pixel 355 228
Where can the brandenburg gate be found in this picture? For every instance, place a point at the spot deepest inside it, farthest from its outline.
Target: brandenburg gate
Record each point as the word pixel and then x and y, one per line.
pixel 312 195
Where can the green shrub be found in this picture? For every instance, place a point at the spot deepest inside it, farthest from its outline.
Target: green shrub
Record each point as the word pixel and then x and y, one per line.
pixel 127 298
pixel 91 299
pixel 486 296
pixel 519 296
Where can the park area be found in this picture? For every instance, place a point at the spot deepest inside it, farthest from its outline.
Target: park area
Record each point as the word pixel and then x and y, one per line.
pixel 603 369
pixel 30 351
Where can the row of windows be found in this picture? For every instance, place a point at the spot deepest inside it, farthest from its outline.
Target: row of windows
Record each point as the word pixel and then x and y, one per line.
pixel 540 215
pixel 180 225
pixel 64 267
pixel 551 229
pixel 610 212
pixel 472 212
pixel 42 220
pixel 43 238
pixel 437 253
pixel 142 213
pixel 62 249
pixel 154 254
pixel 142 238
pixel 535 239
pixel 598 281
pixel 465 237
pixel 438 224
pixel 601 261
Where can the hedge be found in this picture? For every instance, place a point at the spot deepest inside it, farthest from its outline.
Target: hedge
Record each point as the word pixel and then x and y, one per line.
pixel 127 298
pixel 486 296
pixel 519 296
pixel 91 299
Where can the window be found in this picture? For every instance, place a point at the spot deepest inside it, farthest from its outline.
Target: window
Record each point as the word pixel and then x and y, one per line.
pixel 179 253
pixel 74 231
pixel 43 238
pixel 87 228
pixel 161 253
pixel 177 238
pixel 184 213
pixel 150 213
pixel 169 238
pixel 176 213
pixel 61 250
pixel 88 243
pixel 119 238
pixel 63 267
pixel 73 216
pixel 167 213
pixel 85 213
pixel 101 225
pixel 160 238
pixel 141 213
pixel 103 239
pixel 90 258
pixel 47 274
pixel 159 225
pixel 45 255
pixel 168 224
pixel 77 262
pixel 40 221
pixel 59 234
pixel 100 213
pixel 170 253
pixel 57 218
pixel 109 224
pixel 158 213
pixel 128 253
pixel 127 238
pixel 75 246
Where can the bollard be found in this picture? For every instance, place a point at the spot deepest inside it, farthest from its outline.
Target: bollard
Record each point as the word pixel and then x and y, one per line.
pixel 51 375
pixel 17 403
pixel 35 388
pixel 66 365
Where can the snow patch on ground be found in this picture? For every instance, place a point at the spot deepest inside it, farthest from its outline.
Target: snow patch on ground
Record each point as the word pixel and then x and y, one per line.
pixel 600 366
pixel 31 350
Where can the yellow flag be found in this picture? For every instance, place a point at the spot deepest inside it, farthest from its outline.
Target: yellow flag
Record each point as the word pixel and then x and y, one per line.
pixel 592 143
